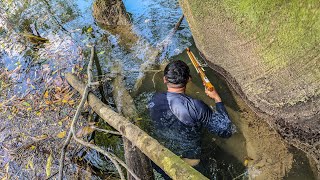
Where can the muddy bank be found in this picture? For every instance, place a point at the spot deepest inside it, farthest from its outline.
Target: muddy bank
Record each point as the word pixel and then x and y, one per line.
pixel 266 61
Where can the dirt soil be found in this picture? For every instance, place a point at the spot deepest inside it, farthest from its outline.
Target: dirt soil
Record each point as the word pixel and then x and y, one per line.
pixel 268 155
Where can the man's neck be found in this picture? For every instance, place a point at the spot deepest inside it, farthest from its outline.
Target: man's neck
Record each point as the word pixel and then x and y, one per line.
pixel 177 90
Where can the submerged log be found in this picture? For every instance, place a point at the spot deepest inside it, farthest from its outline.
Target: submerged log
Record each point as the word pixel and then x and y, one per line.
pixel 135 159
pixel 112 16
pixel 173 165
pixel 110 13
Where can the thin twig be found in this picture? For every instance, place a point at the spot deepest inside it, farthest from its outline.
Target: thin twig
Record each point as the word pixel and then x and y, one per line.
pixel 76 116
pixel 66 143
pixel 54 174
pixel 243 174
pixel 153 77
pixel 106 131
pixel 107 154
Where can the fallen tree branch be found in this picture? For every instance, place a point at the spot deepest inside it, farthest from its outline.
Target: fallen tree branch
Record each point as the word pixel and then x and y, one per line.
pixel 114 159
pixel 75 118
pixel 134 158
pixel 173 165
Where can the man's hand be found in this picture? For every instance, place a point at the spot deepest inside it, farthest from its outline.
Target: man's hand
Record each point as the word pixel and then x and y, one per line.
pixel 214 95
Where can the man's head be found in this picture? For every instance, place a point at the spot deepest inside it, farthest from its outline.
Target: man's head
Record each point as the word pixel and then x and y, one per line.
pixel 176 74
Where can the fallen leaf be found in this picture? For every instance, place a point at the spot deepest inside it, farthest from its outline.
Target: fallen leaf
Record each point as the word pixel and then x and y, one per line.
pixel 55 72
pixel 30 164
pixel 57 96
pixel 101 52
pixel 6 176
pixel 26 103
pixel 46 94
pixel 245 163
pixel 6 167
pixel 32 147
pixel 84 131
pixel 65 118
pixel 38 113
pixel 49 164
pixel 89 30
pixel 41 137
pixel 58 88
pixel 71 102
pixel 92 123
pixel 61 134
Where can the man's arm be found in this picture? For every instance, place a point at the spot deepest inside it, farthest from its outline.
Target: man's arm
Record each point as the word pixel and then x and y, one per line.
pixel 217 122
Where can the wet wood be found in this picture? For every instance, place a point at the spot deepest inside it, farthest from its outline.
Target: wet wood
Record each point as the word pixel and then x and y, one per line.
pixel 178 23
pixel 135 159
pixel 173 165
pixel 99 70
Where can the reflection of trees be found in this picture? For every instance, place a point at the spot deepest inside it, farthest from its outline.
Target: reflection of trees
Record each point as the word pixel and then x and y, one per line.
pixel 26 27
pixel 47 14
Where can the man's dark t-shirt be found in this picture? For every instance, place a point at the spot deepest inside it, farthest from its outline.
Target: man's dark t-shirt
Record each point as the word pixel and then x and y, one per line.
pixel 178 119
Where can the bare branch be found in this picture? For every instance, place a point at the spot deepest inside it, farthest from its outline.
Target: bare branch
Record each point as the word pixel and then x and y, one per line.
pixel 76 116
pixel 106 131
pixel 113 158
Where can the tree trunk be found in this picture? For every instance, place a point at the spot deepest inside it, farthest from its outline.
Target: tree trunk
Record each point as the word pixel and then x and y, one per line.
pixel 172 164
pixel 135 159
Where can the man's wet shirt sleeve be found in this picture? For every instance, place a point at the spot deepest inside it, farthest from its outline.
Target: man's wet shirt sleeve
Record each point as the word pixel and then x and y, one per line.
pixel 217 122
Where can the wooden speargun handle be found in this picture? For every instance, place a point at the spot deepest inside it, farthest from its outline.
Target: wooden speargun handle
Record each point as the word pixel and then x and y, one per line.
pixel 200 71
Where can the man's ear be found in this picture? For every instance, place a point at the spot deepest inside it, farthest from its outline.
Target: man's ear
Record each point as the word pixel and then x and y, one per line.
pixel 190 79
pixel 165 81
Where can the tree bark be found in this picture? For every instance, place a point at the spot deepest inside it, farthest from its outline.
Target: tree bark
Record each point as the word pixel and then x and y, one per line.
pixel 135 159
pixel 173 165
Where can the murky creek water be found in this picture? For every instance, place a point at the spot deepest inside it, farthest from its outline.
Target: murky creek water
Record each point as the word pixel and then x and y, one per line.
pixel 69 27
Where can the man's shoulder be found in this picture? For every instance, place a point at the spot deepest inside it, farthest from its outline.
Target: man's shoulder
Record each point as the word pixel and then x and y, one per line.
pixel 158 95
pixel 196 102
pixel 157 99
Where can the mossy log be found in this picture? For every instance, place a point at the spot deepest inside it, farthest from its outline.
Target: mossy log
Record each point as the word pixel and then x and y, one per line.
pixel 172 164
pixel 135 159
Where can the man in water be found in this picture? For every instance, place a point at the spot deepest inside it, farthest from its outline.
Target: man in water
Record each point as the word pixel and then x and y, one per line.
pixel 178 119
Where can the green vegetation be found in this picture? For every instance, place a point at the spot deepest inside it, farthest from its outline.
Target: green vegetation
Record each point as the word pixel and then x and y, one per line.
pixel 113 142
pixel 285 30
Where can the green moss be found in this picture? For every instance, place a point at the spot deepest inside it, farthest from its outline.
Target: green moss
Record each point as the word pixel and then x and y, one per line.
pixel 168 166
pixel 285 30
pixel 113 142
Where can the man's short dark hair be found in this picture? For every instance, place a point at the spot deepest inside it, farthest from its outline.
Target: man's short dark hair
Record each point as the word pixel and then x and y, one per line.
pixel 177 72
